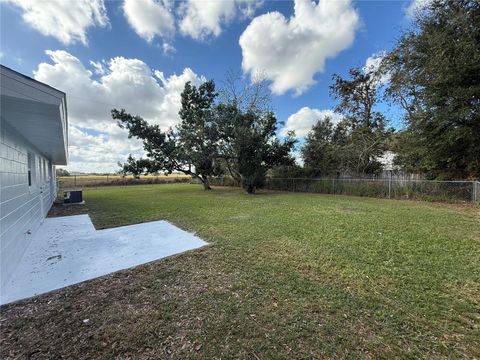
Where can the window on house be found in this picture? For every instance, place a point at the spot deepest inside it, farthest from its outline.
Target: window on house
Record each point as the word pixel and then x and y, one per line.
pixel 31 168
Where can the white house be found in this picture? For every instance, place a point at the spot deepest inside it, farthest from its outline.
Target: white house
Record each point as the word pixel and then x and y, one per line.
pixel 33 140
pixel 387 159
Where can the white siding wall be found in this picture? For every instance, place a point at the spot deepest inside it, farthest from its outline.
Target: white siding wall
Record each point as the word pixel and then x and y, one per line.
pixel 21 205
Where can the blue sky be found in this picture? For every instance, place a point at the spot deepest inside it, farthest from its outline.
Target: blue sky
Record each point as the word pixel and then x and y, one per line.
pixel 296 46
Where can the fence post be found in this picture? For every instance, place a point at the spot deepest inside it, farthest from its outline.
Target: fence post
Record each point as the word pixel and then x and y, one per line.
pixel 474 192
pixel 75 180
pixel 107 178
pixel 390 186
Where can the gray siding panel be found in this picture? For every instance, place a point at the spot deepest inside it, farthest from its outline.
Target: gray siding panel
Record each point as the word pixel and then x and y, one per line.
pixel 13 191
pixel 20 204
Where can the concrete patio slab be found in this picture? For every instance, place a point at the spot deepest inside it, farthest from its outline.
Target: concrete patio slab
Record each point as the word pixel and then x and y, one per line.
pixel 68 250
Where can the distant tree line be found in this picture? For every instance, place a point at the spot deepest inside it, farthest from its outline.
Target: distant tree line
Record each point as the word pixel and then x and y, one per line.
pixel 61 172
pixel 355 144
pixel 432 74
pixel 435 77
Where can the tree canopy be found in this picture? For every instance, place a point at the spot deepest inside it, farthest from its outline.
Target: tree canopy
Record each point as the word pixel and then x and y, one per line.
pixel 237 135
pixel 360 138
pixel 320 151
pixel 435 77
pixel 136 167
pixel 253 147
pixel 191 146
pixel 249 144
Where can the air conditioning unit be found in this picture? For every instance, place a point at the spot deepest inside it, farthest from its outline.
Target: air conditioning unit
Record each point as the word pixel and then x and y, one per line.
pixel 73 197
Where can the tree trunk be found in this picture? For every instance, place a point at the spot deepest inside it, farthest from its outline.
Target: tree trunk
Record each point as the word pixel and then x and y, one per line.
pixel 206 183
pixel 235 176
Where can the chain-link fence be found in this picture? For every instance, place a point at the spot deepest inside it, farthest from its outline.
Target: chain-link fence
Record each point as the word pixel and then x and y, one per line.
pixel 431 190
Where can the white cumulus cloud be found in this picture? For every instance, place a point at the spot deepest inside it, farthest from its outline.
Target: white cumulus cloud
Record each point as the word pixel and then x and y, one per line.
pixel 96 140
pixel 168 49
pixel 196 19
pixel 372 65
pixel 90 151
pixel 415 6
pixel 303 120
pixel 291 51
pixel 150 18
pixel 200 19
pixel 67 21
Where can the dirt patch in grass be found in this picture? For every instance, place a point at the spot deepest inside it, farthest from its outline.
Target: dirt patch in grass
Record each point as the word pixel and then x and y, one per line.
pixel 59 209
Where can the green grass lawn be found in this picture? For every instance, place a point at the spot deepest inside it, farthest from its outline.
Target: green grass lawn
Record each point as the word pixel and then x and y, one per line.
pixel 287 275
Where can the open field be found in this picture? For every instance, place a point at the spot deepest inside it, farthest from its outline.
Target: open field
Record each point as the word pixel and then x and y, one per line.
pixel 287 275
pixel 116 176
pixel 104 180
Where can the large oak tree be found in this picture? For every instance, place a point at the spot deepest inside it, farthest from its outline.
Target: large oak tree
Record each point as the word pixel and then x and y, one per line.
pixel 248 131
pixel 190 147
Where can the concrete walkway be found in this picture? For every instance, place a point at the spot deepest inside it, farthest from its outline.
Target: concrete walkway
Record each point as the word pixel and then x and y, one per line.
pixel 68 250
